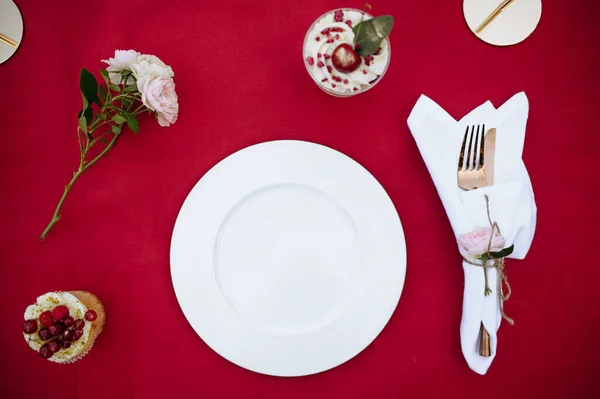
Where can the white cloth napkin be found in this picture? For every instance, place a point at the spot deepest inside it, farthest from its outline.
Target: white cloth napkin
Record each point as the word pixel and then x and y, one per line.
pixel 512 205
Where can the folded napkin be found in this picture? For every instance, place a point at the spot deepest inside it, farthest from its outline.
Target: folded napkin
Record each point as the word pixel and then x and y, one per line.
pixel 512 205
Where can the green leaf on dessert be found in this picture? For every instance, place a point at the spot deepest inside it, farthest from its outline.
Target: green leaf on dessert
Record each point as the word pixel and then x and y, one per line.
pixel 132 122
pixel 504 253
pixel 119 119
pixel 89 86
pixel 370 33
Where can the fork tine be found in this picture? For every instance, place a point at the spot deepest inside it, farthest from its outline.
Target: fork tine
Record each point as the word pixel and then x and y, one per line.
pixel 470 162
pixel 481 148
pixel 462 150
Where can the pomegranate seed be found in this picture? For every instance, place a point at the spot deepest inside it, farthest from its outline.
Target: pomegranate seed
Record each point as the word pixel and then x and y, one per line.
pixel 357 47
pixel 60 312
pixel 364 71
pixel 338 16
pixel 30 326
pixel 327 56
pixel 44 334
pixel 346 81
pixel 310 61
pixel 54 345
pixel 320 64
pixel 368 60
pixel 325 31
pixel 378 51
pixel 355 89
pixel 319 55
pixel 333 85
pixel 324 80
pixel 330 41
pixel 337 37
pixel 349 23
pixel 68 321
pixel 45 351
pixel 46 318
pixel 329 69
pixel 317 38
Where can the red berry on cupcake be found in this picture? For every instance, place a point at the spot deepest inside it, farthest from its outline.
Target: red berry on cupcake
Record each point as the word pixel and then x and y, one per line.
pixel 68 321
pixel 345 59
pixel 46 318
pixel 45 351
pixel 59 312
pixel 77 334
pixel 44 334
pixel 30 326
pixel 91 315
pixel 56 329
pixel 54 345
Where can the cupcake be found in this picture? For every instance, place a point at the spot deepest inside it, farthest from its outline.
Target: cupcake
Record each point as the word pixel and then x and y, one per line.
pixel 62 326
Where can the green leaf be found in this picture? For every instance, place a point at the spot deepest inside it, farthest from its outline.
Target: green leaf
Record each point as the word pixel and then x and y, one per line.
pixel 114 87
pixel 132 122
pixel 115 129
pixel 102 92
pixel 102 117
pixel 131 88
pixel 504 253
pixel 102 139
pixel 104 74
pixel 88 114
pixel 119 119
pixel 83 124
pixel 370 33
pixel 89 86
pixel 86 103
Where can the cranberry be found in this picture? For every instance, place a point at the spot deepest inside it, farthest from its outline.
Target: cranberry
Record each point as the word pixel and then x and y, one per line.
pixel 79 323
pixel 338 16
pixel 345 59
pixel 68 321
pixel 54 345
pixel 78 333
pixel 59 312
pixel 91 315
pixel 56 329
pixel 66 344
pixel 67 335
pixel 45 351
pixel 44 334
pixel 30 326
pixel 46 318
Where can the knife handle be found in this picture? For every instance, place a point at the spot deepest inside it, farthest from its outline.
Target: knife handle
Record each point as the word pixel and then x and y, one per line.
pixel 484 342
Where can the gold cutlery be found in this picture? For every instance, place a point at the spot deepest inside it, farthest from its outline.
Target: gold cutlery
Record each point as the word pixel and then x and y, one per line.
pixel 474 171
pixel 8 40
pixel 493 15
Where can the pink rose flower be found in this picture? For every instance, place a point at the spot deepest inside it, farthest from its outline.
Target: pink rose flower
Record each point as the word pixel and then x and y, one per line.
pixel 159 95
pixel 476 242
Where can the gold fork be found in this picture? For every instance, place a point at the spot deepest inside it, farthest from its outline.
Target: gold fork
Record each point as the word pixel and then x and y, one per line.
pixel 471 175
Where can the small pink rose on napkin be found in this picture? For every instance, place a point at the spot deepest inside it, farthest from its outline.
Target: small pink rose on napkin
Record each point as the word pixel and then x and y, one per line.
pixel 476 242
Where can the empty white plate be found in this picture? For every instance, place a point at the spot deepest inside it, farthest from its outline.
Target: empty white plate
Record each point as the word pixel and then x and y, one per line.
pixel 288 258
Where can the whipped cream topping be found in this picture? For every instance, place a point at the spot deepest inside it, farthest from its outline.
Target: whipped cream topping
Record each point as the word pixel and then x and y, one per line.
pixel 324 37
pixel 76 310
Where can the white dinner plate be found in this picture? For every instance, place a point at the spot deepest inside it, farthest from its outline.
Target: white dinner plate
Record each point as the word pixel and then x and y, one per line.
pixel 288 258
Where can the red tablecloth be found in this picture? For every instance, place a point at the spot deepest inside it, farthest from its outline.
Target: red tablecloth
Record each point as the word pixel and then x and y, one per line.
pixel 241 81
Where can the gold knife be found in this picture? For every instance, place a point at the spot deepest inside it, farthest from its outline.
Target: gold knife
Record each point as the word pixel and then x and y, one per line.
pixel 489 150
pixel 493 15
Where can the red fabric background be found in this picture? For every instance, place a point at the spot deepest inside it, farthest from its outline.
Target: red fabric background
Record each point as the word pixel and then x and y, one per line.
pixel 241 81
